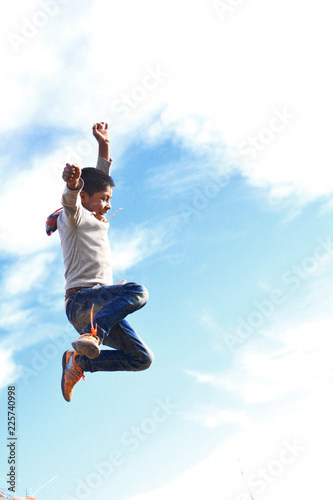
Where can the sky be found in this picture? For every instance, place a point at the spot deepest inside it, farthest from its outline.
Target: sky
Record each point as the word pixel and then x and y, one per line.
pixel 220 119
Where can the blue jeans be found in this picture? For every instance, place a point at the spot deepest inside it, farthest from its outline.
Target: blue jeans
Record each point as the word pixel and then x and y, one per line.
pixel 111 305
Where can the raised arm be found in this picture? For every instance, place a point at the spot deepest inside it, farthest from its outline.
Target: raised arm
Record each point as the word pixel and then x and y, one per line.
pixel 71 174
pixel 101 134
pixel 71 200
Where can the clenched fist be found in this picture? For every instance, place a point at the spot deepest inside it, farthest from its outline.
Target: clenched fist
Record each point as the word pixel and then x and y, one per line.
pixel 71 174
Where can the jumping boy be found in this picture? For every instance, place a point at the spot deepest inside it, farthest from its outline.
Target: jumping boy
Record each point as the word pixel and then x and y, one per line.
pixel 86 251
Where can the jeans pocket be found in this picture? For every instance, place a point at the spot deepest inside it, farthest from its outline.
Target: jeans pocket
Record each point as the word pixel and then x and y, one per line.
pixel 78 312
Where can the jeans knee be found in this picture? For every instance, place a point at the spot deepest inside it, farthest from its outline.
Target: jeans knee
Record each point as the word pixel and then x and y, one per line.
pixel 144 295
pixel 140 292
pixel 146 360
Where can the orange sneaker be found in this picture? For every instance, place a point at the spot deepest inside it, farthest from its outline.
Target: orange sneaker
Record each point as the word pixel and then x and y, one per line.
pixel 71 374
pixel 87 345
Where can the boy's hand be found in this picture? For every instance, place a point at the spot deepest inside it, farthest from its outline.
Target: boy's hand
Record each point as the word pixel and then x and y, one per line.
pixel 101 132
pixel 71 174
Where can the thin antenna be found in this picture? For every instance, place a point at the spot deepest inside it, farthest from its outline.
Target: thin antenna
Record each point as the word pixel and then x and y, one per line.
pixel 55 477
pixel 114 214
pixel 248 487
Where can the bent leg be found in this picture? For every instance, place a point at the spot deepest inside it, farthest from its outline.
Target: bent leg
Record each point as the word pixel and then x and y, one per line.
pixel 111 305
pixel 129 353
pixel 125 299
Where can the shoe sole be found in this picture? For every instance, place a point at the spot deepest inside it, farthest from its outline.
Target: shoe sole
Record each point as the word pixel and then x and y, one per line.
pixel 64 363
pixel 84 348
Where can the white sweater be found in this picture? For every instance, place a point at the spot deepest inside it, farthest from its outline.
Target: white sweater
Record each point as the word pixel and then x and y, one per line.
pixel 84 240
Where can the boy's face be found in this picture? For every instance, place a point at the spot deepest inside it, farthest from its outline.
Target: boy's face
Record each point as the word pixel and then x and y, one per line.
pixel 99 202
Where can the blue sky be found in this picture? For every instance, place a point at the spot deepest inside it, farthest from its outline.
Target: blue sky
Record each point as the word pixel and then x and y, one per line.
pixel 220 125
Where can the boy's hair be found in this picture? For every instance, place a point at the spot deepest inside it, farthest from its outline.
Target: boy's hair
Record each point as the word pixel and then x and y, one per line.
pixel 95 180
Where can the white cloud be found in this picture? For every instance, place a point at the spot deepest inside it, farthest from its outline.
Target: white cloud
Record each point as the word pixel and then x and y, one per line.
pixel 223 81
pixel 9 372
pixel 284 456
pixel 142 243
pixel 25 202
pixel 23 329
pixel 299 360
pixel 212 417
pixel 207 378
pixel 27 273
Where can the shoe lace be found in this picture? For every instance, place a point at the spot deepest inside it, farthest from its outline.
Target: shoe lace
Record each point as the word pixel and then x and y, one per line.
pixel 93 328
pixel 73 373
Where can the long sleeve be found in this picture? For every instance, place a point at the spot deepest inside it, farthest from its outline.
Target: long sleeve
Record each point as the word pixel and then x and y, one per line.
pixel 104 165
pixel 84 239
pixel 71 201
